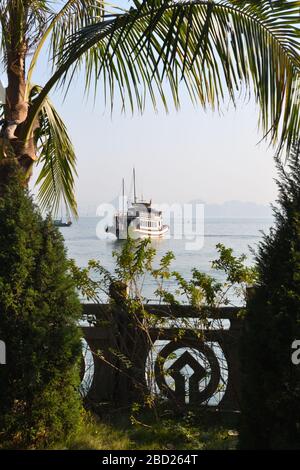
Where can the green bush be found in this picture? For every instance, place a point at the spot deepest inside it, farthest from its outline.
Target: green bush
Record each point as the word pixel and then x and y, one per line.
pixel 271 382
pixel 39 309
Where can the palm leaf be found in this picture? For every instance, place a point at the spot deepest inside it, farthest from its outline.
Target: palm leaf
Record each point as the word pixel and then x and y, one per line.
pixel 73 16
pixel 57 159
pixel 216 48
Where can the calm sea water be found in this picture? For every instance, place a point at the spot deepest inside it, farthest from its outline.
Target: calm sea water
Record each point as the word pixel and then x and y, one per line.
pixel 240 234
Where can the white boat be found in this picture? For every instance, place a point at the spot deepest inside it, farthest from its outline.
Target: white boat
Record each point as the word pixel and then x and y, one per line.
pixel 139 220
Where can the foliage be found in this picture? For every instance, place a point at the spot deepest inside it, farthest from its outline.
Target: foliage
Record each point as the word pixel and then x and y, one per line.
pixel 39 309
pixel 137 261
pixel 56 157
pixel 130 319
pixel 271 382
pixel 115 431
pixel 213 47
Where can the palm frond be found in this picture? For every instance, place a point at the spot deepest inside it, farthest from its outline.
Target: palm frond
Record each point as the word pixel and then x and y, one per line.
pixel 57 159
pixel 214 47
pixel 75 15
pixel 71 17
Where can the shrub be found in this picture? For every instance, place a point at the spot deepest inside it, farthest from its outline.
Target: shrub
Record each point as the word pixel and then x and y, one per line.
pixel 39 309
pixel 271 382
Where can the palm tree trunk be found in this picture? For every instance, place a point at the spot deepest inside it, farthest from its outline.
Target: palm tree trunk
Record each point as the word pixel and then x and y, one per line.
pixel 15 151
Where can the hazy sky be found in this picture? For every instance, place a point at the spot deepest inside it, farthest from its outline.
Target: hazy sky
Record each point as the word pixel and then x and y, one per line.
pixel 190 154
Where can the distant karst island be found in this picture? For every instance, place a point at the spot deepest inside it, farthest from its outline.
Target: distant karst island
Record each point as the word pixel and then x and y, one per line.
pixel 238 209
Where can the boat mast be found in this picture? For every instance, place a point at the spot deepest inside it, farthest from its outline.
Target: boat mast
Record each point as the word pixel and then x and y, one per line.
pixel 134 189
pixel 123 195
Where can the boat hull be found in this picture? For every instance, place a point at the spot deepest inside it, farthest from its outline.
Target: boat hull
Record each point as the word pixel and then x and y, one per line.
pixel 62 224
pixel 144 233
pixel 135 232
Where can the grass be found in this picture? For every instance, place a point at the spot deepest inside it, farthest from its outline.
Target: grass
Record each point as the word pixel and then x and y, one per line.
pixel 189 431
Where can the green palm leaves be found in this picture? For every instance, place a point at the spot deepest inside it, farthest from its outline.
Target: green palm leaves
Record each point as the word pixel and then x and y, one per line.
pixel 57 159
pixel 72 17
pixel 215 48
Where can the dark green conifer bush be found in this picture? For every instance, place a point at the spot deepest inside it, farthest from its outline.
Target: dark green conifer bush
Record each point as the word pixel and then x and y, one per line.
pixel 39 310
pixel 271 382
